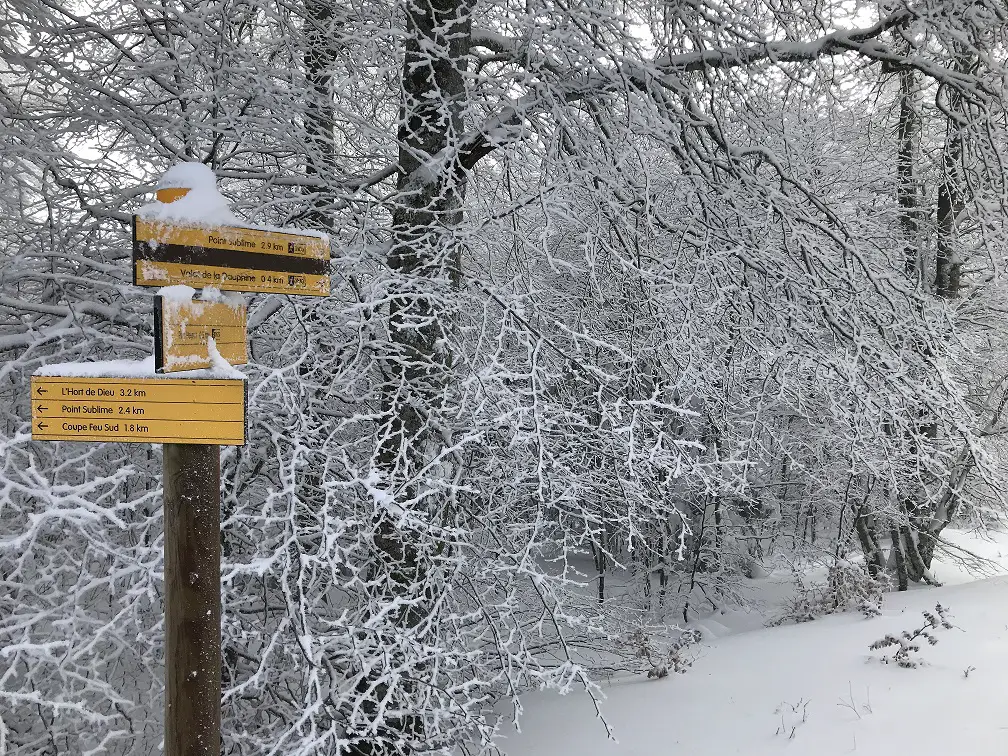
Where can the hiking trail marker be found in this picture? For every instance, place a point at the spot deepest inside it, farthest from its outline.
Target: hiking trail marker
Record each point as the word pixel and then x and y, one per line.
pixel 191 416
pixel 183 328
pixel 138 410
pixel 229 258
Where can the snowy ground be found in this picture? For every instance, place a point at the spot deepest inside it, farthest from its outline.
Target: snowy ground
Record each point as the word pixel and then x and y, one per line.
pixel 813 689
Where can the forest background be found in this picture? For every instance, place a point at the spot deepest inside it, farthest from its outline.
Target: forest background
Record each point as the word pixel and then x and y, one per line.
pixel 631 302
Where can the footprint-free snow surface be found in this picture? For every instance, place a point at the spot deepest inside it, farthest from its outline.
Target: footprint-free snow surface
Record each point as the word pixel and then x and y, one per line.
pixel 813 689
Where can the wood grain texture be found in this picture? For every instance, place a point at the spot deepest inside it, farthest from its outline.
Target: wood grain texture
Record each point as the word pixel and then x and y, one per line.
pixel 192 599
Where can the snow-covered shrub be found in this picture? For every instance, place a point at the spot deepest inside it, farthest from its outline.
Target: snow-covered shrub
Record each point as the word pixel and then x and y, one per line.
pixel 660 659
pixel 907 642
pixel 848 586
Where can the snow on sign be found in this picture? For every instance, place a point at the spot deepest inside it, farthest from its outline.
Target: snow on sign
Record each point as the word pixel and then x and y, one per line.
pixel 229 258
pixel 183 329
pixel 138 410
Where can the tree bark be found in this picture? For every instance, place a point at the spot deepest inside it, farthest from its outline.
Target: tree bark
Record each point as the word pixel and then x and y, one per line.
pixel 898 559
pixel 948 263
pixel 192 600
pixel 425 251
pixel 874 557
pixel 425 257
pixel 320 57
pixel 908 131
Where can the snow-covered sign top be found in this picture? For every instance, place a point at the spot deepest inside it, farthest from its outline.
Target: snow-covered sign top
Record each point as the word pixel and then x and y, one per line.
pixel 138 369
pixel 190 175
pixel 203 205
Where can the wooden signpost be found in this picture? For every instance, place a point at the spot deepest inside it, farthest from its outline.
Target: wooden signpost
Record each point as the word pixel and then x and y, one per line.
pixel 192 418
pixel 182 330
pixel 229 258
pixel 192 556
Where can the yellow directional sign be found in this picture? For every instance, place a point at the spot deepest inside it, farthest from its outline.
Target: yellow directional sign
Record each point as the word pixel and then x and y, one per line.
pixel 229 258
pixel 139 410
pixel 182 329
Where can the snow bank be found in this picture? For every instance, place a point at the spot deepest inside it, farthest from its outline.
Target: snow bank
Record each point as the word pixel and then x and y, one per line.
pixel 135 369
pixel 219 365
pixel 231 298
pixel 813 689
pixel 177 293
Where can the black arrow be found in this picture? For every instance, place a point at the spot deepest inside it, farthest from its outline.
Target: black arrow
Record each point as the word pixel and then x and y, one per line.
pixel 42 425
pixel 40 391
pixel 41 408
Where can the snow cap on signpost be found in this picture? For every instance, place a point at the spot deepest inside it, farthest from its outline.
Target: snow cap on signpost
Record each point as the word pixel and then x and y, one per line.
pixel 188 192
pixel 180 178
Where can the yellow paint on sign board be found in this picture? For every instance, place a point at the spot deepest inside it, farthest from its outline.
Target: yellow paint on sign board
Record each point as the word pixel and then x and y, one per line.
pixel 183 329
pixel 230 258
pixel 153 273
pixel 138 410
pixel 233 238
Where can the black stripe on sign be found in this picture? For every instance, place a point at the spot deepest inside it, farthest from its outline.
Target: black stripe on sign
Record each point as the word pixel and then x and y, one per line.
pixel 228 258
pixel 133 231
pixel 158 326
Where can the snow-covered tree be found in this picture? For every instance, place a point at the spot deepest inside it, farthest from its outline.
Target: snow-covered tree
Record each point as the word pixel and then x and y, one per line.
pixel 619 290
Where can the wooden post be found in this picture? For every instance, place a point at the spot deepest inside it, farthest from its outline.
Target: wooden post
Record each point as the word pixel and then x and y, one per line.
pixel 192 600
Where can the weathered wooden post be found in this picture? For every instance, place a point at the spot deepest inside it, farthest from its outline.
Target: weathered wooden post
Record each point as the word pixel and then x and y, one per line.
pixel 192 552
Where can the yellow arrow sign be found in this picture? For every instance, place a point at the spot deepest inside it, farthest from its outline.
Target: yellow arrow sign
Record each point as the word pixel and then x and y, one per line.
pixel 182 329
pixel 138 410
pixel 229 258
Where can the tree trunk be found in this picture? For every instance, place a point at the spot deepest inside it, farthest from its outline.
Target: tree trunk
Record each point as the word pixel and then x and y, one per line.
pixel 897 559
pixel 948 262
pixel 320 57
pixel 867 534
pixel 948 272
pixel 914 544
pixel 425 252
pixel 908 131
pixel 425 257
